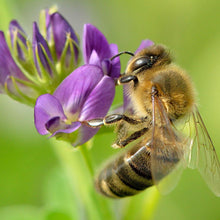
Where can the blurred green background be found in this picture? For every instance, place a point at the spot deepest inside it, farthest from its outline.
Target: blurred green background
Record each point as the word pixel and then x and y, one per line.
pixel 190 28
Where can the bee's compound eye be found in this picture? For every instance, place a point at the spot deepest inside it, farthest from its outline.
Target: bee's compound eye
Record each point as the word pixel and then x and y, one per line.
pixel 144 62
pixel 140 62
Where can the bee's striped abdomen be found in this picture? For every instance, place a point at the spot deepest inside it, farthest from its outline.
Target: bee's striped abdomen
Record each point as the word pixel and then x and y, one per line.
pixel 127 175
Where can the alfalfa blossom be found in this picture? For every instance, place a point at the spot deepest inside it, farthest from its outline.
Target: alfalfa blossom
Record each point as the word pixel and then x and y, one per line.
pixel 85 94
pixel 29 69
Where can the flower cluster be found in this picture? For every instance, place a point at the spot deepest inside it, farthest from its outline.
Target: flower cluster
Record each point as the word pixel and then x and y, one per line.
pixel 46 72
pixel 29 69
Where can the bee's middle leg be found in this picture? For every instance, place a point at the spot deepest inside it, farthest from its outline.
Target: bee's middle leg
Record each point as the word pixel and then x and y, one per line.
pixel 120 143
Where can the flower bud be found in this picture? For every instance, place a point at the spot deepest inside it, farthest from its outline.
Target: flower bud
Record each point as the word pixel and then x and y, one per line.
pixel 18 40
pixel 29 69
pixel 62 41
pixel 42 56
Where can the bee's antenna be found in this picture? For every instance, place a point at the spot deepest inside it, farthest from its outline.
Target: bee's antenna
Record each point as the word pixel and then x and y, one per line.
pixel 119 54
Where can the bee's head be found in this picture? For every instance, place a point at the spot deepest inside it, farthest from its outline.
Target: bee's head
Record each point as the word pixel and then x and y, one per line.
pixel 148 58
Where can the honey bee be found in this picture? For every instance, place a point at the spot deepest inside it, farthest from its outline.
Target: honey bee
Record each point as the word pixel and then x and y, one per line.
pixel 162 123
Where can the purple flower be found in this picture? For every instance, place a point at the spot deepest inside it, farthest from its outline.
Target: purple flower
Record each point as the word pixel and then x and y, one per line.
pixel 85 94
pixel 97 51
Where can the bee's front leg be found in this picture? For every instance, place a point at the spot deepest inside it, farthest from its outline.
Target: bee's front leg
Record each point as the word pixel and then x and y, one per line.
pixel 111 119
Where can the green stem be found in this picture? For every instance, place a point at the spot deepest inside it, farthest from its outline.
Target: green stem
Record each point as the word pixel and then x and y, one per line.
pixel 78 167
pixel 87 158
pixel 101 202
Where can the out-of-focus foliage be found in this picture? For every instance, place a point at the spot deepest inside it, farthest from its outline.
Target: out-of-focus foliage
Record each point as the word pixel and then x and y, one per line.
pixel 29 170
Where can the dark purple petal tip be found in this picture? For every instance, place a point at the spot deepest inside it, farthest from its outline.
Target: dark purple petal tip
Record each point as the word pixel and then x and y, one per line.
pixel 41 49
pixel 7 64
pixel 61 28
pixel 13 27
pixel 17 36
pixel 38 39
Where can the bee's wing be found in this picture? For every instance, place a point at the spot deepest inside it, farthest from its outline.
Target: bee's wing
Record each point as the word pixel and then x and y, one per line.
pixel 203 155
pixel 169 150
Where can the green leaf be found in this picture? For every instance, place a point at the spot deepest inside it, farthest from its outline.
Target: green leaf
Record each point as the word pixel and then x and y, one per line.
pixel 56 215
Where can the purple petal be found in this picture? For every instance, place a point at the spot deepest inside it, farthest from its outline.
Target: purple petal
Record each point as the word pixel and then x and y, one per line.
pixel 46 108
pixel 53 123
pixel 94 59
pixel 144 44
pixel 114 49
pixel 47 17
pixel 106 66
pixel 96 106
pixel 15 26
pixel 93 39
pixel 61 127
pixel 7 64
pixel 60 29
pixel 19 88
pixel 85 134
pixel 75 88
pixel 99 100
pixel 17 32
pixel 39 41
